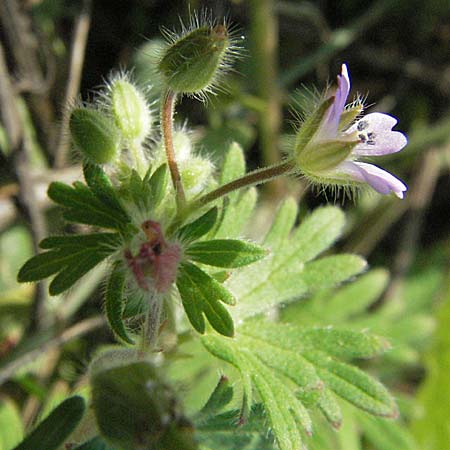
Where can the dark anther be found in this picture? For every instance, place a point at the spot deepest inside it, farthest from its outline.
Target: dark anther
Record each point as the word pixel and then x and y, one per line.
pixel 362 125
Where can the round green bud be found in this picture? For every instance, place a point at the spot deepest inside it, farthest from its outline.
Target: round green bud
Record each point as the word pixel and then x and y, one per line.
pixel 130 110
pixel 191 63
pixel 195 175
pixel 182 145
pixel 134 408
pixel 94 134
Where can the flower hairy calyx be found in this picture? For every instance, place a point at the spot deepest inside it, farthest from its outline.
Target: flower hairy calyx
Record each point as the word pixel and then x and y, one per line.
pixel 193 63
pixel 334 137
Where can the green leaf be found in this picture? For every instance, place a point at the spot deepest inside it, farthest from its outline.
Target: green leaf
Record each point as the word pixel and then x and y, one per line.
pixel 201 294
pixel 294 368
pixel 158 185
pixel 286 413
pixel 288 273
pixel 70 256
pixel 96 204
pixel 70 274
pixel 54 429
pixel 282 224
pixel 221 432
pixel 103 189
pixel 233 165
pixel 432 427
pixel 220 397
pixel 236 213
pixel 42 266
pixel 330 408
pixel 107 241
pixel 227 253
pixel 353 385
pixel 114 302
pixel 356 297
pixel 135 189
pixel 199 227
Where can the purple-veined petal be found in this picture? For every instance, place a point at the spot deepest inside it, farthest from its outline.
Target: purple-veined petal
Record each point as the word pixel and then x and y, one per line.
pixel 376 135
pixel 380 180
pixel 330 123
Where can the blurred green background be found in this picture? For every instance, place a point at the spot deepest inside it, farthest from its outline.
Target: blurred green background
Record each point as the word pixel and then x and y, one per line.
pixel 398 53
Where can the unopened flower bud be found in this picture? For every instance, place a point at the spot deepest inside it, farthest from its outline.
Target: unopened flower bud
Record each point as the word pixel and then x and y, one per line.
pixel 133 407
pixel 182 145
pixel 94 134
pixel 131 112
pixel 195 174
pixel 190 63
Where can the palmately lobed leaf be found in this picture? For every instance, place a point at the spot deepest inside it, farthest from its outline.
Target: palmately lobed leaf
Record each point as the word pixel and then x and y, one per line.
pixel 71 257
pixel 290 271
pixel 286 413
pixel 281 360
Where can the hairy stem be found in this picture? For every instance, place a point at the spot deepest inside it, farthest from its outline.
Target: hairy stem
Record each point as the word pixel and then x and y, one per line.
pixel 167 111
pixel 250 179
pixel 152 323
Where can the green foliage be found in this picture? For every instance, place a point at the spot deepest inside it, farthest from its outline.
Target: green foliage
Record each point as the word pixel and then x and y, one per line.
pixel 95 204
pixel 291 271
pixel 223 431
pixel 294 369
pixel 432 427
pixel 199 227
pixel 70 257
pixel 238 206
pixel 228 253
pixel 219 398
pixel 201 295
pixel 402 319
pixel 54 429
pixel 147 193
pixel 114 302
pixel 288 358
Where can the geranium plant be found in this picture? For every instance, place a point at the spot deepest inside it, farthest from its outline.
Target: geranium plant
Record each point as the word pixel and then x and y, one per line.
pixel 170 226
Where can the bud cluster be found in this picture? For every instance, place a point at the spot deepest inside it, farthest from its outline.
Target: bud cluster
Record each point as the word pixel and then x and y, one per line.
pixel 121 120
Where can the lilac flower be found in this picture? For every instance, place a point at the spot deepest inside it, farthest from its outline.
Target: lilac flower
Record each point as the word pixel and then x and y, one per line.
pixel 337 144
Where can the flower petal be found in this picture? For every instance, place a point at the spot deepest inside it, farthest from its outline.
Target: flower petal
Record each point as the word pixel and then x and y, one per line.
pixel 380 180
pixel 376 135
pixel 330 124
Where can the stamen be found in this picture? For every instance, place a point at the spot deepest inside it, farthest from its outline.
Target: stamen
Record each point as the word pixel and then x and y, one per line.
pixel 362 125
